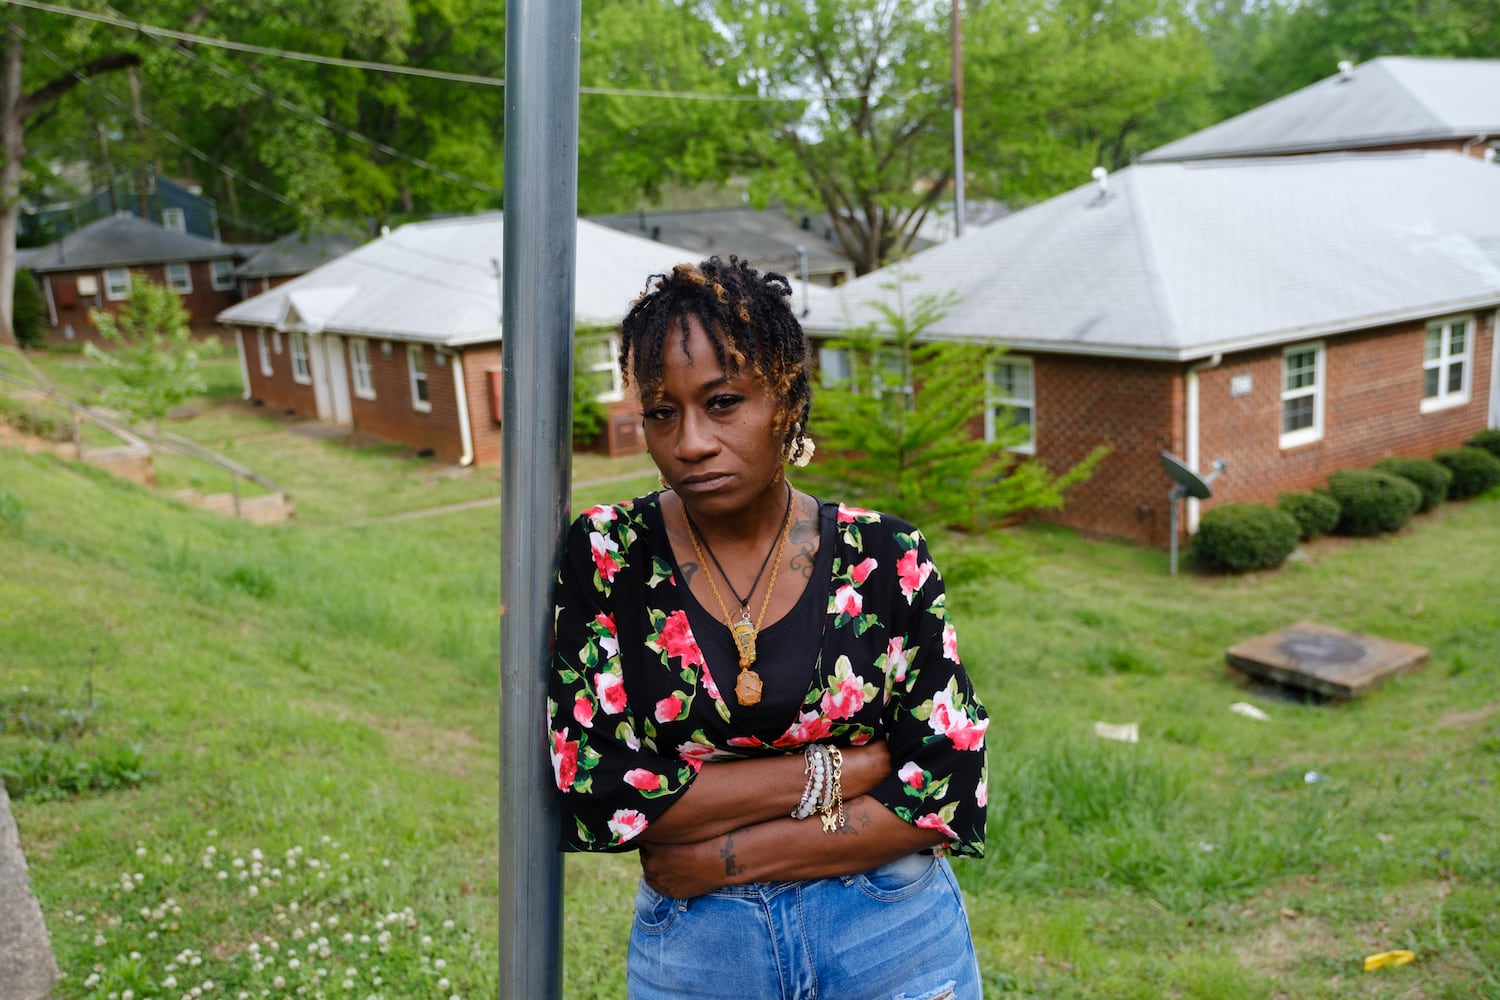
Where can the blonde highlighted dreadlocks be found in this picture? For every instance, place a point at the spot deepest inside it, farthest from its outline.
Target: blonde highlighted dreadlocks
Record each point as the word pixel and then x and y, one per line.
pixel 749 322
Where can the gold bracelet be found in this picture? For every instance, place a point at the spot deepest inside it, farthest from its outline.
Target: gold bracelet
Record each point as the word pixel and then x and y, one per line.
pixel 832 811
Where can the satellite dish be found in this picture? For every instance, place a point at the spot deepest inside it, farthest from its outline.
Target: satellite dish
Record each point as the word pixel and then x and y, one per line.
pixel 1189 483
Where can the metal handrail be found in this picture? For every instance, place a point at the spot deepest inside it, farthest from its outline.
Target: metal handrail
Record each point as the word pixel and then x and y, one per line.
pixel 146 439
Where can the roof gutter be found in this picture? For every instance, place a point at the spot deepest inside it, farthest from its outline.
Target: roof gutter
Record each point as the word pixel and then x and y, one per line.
pixel 460 391
pixel 1481 137
pixel 1190 386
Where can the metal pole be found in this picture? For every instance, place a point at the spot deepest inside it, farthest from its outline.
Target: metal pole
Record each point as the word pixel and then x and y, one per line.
pixel 1173 502
pixel 539 256
pixel 959 208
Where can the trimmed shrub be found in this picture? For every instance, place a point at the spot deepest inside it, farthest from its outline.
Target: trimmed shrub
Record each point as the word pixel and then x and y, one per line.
pixel 1431 478
pixel 1315 513
pixel 1240 537
pixel 1488 439
pixel 1474 471
pixel 28 311
pixel 1371 501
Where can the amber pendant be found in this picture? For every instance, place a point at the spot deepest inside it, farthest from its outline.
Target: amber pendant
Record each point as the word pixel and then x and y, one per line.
pixel 747 686
pixel 744 638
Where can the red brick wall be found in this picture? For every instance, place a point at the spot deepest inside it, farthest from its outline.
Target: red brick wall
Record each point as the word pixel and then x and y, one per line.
pixel 278 392
pixel 1134 407
pixel 203 303
pixel 391 415
pixel 1372 410
pixel 482 382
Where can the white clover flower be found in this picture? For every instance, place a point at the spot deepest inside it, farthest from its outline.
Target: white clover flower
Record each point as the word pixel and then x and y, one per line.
pixel 221 875
pixel 426 940
pixel 99 941
pixel 443 984
pixel 440 964
pixel 279 982
pixel 127 995
pixel 447 925
pixel 140 852
pixel 254 890
pixel 294 963
pixel 170 983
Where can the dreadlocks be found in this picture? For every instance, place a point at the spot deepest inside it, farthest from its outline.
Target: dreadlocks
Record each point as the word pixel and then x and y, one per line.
pixel 748 320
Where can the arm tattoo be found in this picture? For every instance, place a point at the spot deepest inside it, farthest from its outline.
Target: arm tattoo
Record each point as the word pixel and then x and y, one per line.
pixel 732 866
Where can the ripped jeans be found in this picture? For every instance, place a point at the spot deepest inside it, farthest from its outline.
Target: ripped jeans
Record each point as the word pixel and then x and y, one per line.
pixel 897 932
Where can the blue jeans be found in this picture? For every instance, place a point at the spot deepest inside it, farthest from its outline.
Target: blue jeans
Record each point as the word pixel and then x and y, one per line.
pixel 897 932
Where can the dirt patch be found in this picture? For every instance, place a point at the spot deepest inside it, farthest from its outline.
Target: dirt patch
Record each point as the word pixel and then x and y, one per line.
pixel 1462 720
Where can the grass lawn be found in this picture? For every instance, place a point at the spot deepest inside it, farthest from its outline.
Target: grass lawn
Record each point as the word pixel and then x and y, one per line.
pixel 314 708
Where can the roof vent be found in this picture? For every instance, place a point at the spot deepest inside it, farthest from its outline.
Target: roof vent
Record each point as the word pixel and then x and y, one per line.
pixel 1346 71
pixel 1101 178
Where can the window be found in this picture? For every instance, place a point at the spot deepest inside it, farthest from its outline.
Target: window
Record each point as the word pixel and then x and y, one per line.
pixel 1445 363
pixel 180 278
pixel 834 367
pixel 1009 400
pixel 598 368
pixel 416 365
pixel 300 371
pixel 359 364
pixel 116 283
pixel 265 352
pixel 174 219
pixel 1302 394
pixel 223 273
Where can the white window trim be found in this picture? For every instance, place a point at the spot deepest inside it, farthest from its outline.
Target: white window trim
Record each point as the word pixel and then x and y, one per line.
pixel 264 350
pixel 301 370
pixel 416 364
pixel 1445 399
pixel 186 273
pixel 359 368
pixel 609 366
pixel 225 283
pixel 992 402
pixel 177 217
pixel 110 291
pixel 1318 391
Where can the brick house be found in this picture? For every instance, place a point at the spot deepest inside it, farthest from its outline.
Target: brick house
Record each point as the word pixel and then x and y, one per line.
pixel 1292 316
pixel 291 256
pixel 1395 102
pixel 92 268
pixel 401 338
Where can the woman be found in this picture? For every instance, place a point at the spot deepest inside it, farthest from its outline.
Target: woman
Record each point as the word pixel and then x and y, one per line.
pixel 760 691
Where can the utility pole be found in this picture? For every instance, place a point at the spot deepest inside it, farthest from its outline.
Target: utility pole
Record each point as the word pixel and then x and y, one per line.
pixel 539 256
pixel 959 209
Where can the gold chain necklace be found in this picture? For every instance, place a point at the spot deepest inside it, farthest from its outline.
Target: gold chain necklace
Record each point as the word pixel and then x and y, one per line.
pixel 748 685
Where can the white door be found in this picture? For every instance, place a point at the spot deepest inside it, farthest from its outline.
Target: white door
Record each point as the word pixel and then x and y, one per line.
pixel 338 380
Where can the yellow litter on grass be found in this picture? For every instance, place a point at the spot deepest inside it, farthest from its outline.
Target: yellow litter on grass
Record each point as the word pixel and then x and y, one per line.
pixel 1388 958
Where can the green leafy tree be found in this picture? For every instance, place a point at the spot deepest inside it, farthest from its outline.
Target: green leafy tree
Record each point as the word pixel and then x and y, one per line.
pixel 155 359
pixel 904 432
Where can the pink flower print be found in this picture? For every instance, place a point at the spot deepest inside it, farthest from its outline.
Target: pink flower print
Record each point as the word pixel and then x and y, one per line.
pixel 564 760
pixel 859 574
pixel 912 775
pixel 954 723
pixel 847 601
pixel 604 550
pixel 950 643
pixel 809 728
pixel 646 781
pixel 696 753
pixel 848 515
pixel 931 821
pixel 600 516
pixel 668 708
pixel 913 574
pixel 604 627
pixel 611 692
pixel 746 741
pixel 583 710
pixel 626 824
pixel 896 659
pixel 846 699
pixel 677 637
pixel 982 794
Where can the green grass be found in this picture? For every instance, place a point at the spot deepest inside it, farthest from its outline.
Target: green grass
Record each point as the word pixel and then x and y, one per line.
pixel 336 678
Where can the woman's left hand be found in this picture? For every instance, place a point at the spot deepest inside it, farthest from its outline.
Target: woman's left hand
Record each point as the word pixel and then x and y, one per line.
pixel 683 871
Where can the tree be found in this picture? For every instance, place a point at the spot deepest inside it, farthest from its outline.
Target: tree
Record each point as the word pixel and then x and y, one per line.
pixel 26 99
pixel 902 431
pixel 29 312
pixel 858 111
pixel 156 357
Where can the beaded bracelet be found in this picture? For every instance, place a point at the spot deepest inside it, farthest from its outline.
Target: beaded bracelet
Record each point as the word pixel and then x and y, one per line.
pixel 817 770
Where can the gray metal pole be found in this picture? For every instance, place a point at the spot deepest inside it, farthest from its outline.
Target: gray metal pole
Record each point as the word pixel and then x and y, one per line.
pixel 539 255
pixel 960 209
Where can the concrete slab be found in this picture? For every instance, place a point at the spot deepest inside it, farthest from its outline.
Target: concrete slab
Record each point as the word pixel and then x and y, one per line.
pixel 1328 661
pixel 28 970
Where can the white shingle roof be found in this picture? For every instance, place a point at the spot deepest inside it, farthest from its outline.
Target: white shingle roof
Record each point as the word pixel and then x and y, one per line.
pixel 1180 260
pixel 435 282
pixel 1387 101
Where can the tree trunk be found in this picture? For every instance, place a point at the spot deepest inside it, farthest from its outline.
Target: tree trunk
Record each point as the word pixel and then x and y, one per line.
pixel 12 126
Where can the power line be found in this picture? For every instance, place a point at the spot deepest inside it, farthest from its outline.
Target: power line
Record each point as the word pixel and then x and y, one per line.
pixel 434 74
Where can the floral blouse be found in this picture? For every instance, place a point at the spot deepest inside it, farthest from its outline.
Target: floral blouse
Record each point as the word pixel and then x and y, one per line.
pixel 634 711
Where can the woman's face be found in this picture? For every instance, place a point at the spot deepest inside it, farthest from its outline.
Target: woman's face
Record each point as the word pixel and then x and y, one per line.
pixel 711 434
